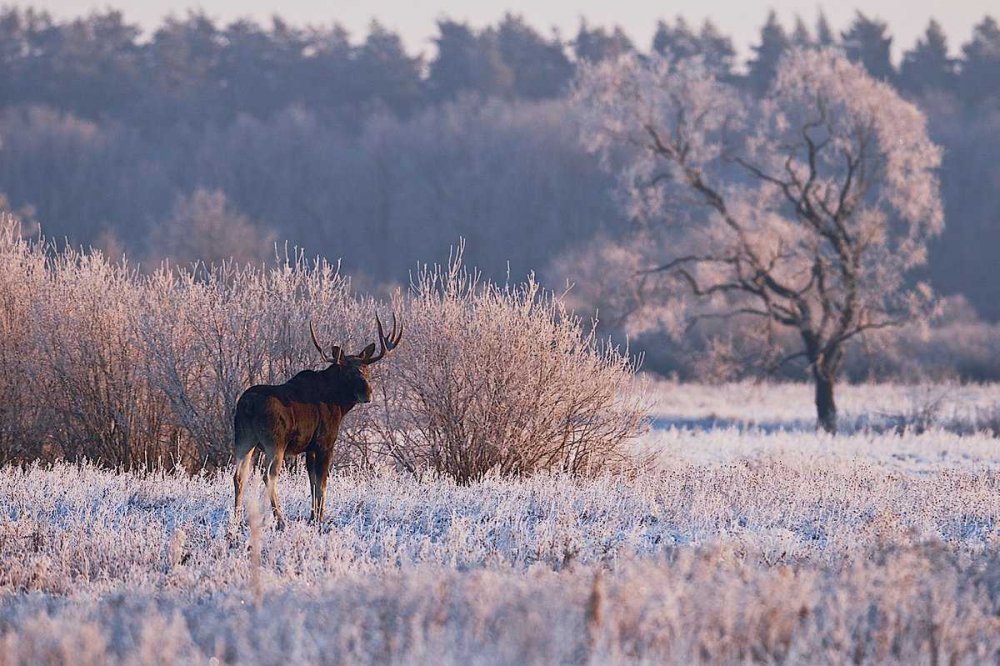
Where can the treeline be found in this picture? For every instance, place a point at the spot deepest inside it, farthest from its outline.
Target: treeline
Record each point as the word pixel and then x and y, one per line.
pixel 205 140
pixel 193 71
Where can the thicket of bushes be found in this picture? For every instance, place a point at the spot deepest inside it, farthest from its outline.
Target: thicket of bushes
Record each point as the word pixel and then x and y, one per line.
pixel 103 362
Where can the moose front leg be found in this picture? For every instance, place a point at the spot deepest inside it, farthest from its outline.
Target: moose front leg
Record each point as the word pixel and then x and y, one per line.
pixel 313 485
pixel 322 471
pixel 318 465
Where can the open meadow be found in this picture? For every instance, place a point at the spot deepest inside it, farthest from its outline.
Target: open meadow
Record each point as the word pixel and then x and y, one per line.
pixel 518 335
pixel 742 541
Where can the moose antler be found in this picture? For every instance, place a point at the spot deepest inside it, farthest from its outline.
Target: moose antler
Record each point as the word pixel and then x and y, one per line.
pixel 312 332
pixel 386 344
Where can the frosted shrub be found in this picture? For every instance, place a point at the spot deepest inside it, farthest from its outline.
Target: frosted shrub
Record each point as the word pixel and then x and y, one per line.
pixel 502 379
pixel 100 402
pixel 100 361
pixel 21 273
pixel 211 333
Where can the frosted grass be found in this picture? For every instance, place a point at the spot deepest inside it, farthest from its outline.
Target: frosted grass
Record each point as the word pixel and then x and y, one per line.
pixel 790 405
pixel 738 544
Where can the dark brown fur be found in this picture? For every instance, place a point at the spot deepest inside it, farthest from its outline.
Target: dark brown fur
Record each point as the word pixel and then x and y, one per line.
pixel 303 415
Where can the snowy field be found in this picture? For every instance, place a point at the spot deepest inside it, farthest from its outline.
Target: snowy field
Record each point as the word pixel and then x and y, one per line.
pixel 909 428
pixel 750 538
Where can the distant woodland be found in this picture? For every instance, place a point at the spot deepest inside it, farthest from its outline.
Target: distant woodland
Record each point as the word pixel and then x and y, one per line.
pixel 204 141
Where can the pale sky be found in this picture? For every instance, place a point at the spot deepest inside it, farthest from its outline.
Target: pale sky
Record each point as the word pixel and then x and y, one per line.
pixel 414 19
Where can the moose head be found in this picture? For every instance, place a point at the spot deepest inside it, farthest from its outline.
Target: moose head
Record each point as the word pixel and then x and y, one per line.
pixel 350 373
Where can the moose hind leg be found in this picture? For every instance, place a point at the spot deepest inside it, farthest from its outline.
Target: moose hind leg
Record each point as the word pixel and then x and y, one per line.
pixel 272 487
pixel 244 459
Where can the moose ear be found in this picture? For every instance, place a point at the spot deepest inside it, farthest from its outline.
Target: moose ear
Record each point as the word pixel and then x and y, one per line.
pixel 367 352
pixel 337 354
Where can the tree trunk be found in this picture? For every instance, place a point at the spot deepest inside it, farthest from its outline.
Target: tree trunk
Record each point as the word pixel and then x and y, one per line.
pixel 826 408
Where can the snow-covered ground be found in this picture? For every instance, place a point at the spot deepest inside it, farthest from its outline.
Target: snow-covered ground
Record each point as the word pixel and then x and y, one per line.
pixel 905 428
pixel 790 406
pixel 739 543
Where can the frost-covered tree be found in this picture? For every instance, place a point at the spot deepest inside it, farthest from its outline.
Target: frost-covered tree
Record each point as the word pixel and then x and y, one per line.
pixel 205 227
pixel 804 212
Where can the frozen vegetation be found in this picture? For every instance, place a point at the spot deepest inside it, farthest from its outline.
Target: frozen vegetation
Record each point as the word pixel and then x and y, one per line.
pixel 144 370
pixel 502 500
pixel 738 544
pixel 964 408
pixel 509 495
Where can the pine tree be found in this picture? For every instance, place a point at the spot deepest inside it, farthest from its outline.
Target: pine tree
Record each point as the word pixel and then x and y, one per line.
pixel 773 44
pixel 866 42
pixel 467 62
pixel 824 35
pixel 540 66
pixel 678 41
pixel 801 36
pixel 927 67
pixel 717 49
pixel 390 74
pixel 980 75
pixel 596 44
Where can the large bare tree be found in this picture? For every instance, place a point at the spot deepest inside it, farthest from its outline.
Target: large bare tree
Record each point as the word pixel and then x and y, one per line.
pixel 804 211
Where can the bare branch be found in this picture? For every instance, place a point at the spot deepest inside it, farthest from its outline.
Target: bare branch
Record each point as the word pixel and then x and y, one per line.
pixel 670 265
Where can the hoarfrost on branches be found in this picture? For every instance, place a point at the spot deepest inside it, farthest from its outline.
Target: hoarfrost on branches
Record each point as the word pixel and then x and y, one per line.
pixel 804 211
pixel 144 370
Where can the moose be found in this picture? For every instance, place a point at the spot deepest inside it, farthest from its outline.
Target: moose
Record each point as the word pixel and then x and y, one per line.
pixel 303 415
